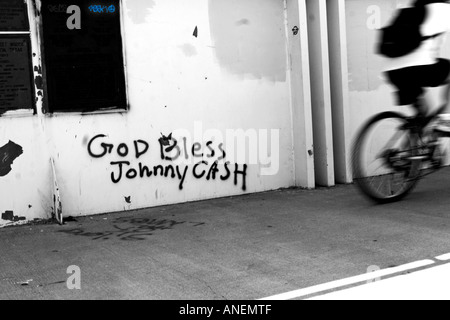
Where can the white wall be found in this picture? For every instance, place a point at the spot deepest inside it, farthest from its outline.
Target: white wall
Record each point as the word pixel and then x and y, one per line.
pixel 233 75
pixel 321 92
pixel 369 93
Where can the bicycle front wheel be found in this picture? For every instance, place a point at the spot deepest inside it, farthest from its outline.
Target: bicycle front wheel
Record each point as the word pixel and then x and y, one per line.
pixel 386 160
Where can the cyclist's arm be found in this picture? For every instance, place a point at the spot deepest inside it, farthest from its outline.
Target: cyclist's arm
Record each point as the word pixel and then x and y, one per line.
pixel 437 19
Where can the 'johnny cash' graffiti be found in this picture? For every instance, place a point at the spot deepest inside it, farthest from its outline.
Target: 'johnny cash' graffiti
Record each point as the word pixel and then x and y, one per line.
pixel 178 160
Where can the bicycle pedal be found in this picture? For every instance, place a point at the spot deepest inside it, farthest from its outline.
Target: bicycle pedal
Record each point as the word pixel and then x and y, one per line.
pixel 442 132
pixel 422 157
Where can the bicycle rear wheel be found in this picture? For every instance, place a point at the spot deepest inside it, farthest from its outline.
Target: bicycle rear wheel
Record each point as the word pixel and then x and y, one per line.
pixel 386 160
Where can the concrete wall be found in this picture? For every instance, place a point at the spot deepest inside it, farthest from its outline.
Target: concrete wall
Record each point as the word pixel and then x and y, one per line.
pixel 229 81
pixel 321 92
pixel 277 87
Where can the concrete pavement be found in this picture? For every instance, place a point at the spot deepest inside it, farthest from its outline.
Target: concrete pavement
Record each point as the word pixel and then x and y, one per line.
pixel 250 247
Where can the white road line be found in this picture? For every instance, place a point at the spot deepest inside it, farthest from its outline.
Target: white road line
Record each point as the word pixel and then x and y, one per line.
pixel 444 257
pixel 348 281
pixel 431 283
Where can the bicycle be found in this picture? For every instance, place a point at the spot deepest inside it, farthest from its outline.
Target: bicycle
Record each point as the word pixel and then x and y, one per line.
pixel 388 171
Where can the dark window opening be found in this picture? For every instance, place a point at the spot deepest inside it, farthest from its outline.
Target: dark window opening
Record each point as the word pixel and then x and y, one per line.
pixel 84 68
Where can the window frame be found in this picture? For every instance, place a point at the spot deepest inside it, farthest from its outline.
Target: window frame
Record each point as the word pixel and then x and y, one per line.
pixel 40 46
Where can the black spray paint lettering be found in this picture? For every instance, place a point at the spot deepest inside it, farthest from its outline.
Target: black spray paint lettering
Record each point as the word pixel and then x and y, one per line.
pixel 144 171
pixel 199 171
pixel 8 153
pixel 140 148
pixel 171 149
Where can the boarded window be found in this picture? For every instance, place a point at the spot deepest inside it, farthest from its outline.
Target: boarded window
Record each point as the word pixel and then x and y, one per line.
pixel 16 74
pixel 83 55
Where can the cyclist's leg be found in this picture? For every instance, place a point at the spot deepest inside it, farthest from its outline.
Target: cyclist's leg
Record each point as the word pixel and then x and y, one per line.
pixel 409 89
pixel 422 105
pixel 446 91
pixel 438 75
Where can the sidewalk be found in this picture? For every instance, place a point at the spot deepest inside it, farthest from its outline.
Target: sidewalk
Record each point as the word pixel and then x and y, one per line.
pixel 248 247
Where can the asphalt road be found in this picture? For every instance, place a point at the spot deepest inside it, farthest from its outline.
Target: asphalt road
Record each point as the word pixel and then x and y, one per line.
pixel 249 247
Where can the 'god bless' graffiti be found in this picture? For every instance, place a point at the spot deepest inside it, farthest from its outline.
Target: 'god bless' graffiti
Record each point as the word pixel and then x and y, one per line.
pixel 208 160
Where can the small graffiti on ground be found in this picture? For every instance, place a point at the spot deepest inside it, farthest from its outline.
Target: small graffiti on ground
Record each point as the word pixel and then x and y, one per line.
pixel 131 229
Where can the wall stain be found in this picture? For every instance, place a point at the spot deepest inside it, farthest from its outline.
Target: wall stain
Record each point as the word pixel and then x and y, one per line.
pixel 188 49
pixel 243 22
pixel 250 42
pixel 8 153
pixel 139 10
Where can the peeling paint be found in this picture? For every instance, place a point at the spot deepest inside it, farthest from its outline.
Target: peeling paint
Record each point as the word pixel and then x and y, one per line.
pixel 85 140
pixel 38 69
pixel 9 216
pixel 35 8
pixel 39 82
pixel 243 22
pixel 8 153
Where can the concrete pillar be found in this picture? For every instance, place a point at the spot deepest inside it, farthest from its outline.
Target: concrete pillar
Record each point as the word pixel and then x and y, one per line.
pixel 297 31
pixel 320 92
pixel 337 35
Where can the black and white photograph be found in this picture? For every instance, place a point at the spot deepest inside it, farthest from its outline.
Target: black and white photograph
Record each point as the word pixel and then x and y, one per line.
pixel 223 158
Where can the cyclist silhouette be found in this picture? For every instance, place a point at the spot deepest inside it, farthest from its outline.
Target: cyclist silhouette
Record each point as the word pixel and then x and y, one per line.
pixel 423 67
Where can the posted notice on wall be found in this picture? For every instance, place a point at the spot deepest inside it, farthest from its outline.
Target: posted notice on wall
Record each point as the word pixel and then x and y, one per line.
pixel 15 73
pixel 13 15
